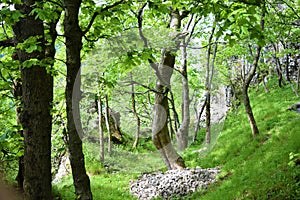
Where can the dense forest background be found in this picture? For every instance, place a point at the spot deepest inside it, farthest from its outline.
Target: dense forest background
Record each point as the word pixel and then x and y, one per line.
pixel 110 90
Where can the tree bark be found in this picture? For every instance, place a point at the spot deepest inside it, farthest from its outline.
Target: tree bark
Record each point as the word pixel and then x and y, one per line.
pixel 17 93
pixel 208 88
pixel 175 114
pixel 100 126
pixel 246 98
pixel 248 80
pixel 137 117
pixel 183 131
pixel 198 121
pixel 73 42
pixel 298 79
pixel 36 119
pixel 160 132
pixel 109 146
pixel 278 66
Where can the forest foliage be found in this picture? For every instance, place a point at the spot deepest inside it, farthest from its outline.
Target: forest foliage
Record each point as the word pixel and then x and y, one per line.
pixel 140 86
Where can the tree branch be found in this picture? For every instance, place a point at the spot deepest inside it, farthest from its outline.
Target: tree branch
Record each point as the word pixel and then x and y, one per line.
pixel 95 40
pixel 7 43
pixel 98 12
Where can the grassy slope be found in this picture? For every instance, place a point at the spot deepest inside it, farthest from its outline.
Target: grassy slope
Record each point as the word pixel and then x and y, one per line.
pixel 256 168
pixel 251 168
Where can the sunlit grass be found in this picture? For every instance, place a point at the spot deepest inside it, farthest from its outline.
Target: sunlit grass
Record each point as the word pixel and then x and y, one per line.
pixel 252 168
pixel 257 168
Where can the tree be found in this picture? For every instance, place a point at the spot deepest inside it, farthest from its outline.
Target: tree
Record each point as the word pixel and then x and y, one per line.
pixel 183 131
pixel 37 95
pixel 160 133
pixel 248 79
pixel 73 35
pixel 100 126
pixel 134 110
pixel 208 85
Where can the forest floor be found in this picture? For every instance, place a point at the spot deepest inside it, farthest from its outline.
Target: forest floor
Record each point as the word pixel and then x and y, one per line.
pixel 264 167
pixel 251 168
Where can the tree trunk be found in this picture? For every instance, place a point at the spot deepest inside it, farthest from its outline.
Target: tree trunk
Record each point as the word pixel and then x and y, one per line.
pixel 198 121
pixel 73 36
pixel 100 126
pixel 183 131
pixel 208 88
pixel 298 79
pixel 175 114
pixel 278 66
pixel 246 98
pixel 287 63
pixel 138 121
pixel 17 93
pixel 160 132
pixel 107 124
pixel 249 112
pixel 164 70
pixel 37 96
pixel 248 80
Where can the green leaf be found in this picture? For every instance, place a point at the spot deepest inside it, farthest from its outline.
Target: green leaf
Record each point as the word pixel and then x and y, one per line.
pixel 30 63
pixel 3 137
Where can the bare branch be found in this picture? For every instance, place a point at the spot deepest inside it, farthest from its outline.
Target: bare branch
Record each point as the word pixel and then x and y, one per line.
pixel 142 85
pixel 140 25
pixel 95 40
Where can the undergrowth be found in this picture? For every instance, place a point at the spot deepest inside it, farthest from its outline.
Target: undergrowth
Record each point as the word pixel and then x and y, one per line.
pixel 251 168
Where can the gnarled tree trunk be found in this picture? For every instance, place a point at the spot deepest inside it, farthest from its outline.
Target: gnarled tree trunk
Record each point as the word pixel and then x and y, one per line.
pixel 160 132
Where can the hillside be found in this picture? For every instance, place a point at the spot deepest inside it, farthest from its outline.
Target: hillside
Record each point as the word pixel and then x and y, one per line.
pixel 261 168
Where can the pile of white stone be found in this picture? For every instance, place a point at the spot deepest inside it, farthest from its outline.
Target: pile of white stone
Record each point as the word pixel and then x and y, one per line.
pixel 173 183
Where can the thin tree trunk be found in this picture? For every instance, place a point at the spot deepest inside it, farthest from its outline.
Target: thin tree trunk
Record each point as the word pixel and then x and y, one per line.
pixel 287 63
pixel 137 117
pixel 246 85
pixel 198 120
pixel 36 120
pixel 290 83
pixel 246 98
pixel 175 114
pixel 100 126
pixel 265 85
pixel 208 88
pixel 183 131
pixel 278 66
pixel 298 79
pixel 172 132
pixel 73 42
pixel 109 147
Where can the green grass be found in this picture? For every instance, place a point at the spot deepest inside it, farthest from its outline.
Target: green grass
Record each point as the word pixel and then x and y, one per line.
pixel 252 168
pixel 256 168
pixel 104 186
